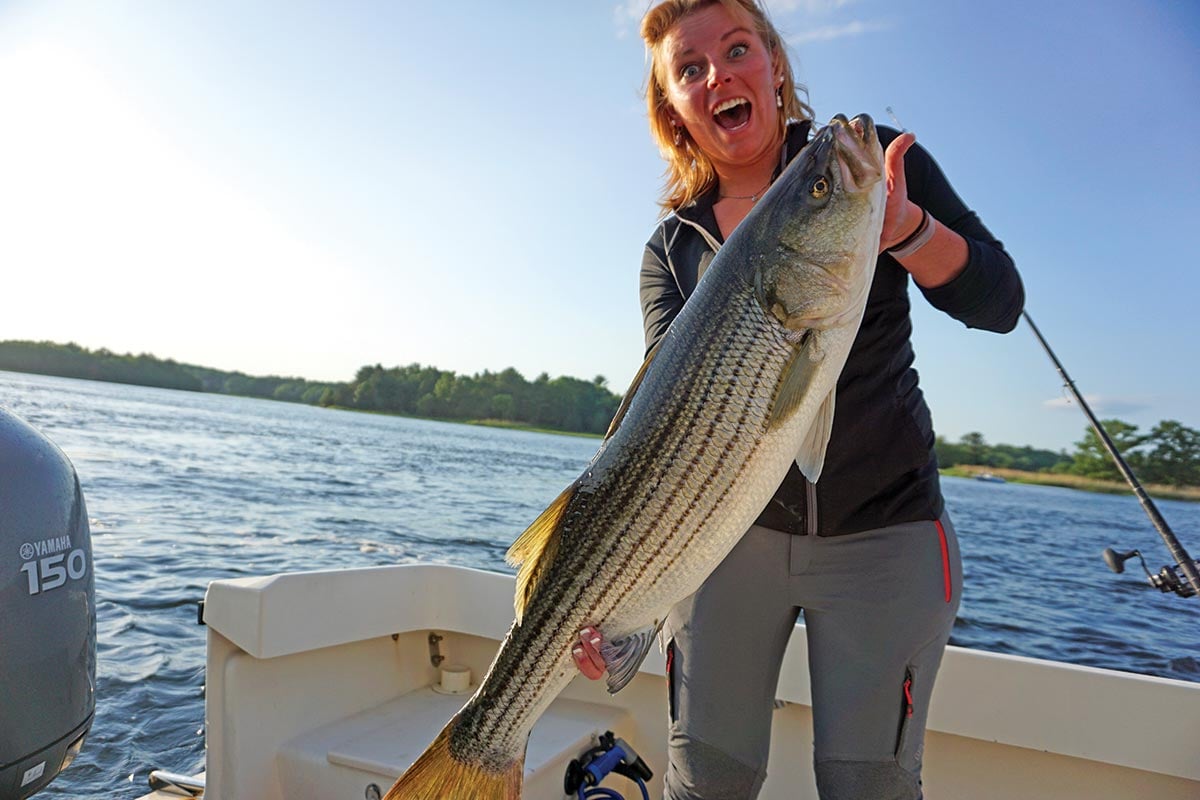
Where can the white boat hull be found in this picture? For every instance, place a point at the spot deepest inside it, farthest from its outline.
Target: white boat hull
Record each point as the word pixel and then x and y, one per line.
pixel 319 684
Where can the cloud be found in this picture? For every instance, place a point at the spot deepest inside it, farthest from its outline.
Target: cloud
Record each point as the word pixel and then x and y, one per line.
pixel 628 15
pixel 825 33
pixel 119 236
pixel 805 6
pixel 1101 405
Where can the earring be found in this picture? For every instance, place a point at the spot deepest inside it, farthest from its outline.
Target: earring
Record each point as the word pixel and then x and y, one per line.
pixel 678 135
pixel 779 98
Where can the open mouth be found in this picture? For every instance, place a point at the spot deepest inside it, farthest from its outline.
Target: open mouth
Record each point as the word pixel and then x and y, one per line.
pixel 733 113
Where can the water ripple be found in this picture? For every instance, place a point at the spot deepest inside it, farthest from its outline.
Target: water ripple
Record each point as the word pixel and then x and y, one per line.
pixel 183 489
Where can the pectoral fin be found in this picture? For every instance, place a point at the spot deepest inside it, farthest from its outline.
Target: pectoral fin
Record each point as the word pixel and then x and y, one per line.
pixel 794 383
pixel 624 656
pixel 811 458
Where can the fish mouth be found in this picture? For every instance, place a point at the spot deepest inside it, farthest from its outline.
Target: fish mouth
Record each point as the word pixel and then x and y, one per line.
pixel 857 144
pixel 732 114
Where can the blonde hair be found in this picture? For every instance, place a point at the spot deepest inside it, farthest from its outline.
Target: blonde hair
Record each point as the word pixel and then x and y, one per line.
pixel 690 172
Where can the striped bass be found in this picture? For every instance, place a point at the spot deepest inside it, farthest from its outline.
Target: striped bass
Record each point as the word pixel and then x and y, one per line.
pixel 741 385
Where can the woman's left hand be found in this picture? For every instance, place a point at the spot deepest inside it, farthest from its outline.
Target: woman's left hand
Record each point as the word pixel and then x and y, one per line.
pixel 901 216
pixel 586 653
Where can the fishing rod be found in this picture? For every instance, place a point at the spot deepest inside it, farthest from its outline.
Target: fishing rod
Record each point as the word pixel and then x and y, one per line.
pixel 1176 579
pixel 1183 578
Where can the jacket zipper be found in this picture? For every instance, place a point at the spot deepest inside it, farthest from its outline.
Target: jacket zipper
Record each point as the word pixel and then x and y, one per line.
pixel 810 506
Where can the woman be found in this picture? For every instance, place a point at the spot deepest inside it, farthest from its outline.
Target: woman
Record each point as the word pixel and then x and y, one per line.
pixel 869 553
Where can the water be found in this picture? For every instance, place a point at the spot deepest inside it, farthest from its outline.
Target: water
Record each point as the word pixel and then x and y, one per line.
pixel 184 488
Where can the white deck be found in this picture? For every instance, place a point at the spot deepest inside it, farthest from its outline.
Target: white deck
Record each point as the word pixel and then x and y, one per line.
pixel 318 687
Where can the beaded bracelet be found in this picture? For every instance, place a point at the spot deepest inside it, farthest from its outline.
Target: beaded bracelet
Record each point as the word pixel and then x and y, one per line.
pixel 915 240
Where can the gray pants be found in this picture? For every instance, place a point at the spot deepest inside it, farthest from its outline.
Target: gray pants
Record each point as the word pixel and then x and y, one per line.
pixel 878 607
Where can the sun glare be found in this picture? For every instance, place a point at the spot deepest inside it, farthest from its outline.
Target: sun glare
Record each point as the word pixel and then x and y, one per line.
pixel 107 217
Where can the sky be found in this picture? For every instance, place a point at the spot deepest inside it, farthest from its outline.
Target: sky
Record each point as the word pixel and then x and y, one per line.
pixel 302 188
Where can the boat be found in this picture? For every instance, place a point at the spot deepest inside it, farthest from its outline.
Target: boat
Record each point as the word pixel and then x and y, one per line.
pixel 330 683
pixel 988 477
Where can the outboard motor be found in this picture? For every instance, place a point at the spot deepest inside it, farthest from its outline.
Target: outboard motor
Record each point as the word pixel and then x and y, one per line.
pixel 47 612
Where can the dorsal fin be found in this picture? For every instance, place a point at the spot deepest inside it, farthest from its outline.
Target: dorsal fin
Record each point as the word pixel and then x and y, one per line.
pixel 534 550
pixel 633 387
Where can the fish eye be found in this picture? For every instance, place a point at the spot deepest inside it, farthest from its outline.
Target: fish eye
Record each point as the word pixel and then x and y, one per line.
pixel 819 187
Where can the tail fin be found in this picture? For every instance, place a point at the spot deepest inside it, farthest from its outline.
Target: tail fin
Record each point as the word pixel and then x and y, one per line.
pixel 438 775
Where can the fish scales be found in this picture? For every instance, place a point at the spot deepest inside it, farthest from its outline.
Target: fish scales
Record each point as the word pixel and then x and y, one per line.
pixel 740 386
pixel 702 435
pixel 719 452
pixel 621 496
pixel 652 510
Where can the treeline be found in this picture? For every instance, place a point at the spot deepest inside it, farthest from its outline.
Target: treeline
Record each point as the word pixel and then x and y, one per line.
pixel 1169 454
pixel 972 449
pixel 73 361
pixel 563 403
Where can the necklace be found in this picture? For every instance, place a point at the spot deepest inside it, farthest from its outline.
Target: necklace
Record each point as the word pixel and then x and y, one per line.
pixel 751 197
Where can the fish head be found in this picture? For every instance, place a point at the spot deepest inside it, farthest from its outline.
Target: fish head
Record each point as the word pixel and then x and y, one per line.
pixel 815 236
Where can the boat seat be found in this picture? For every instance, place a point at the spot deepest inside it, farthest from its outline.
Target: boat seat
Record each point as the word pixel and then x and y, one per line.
pixel 375 746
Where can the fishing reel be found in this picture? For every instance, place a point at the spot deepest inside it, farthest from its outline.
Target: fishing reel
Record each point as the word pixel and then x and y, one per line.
pixel 1169 579
pixel 611 755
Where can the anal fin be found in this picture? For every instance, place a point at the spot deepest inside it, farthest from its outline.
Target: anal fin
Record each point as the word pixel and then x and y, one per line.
pixel 623 656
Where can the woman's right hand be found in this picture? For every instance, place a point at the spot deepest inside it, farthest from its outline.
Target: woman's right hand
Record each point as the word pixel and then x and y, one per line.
pixel 586 653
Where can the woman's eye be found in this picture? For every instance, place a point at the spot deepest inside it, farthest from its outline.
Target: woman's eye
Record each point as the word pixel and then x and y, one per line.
pixel 688 72
pixel 738 50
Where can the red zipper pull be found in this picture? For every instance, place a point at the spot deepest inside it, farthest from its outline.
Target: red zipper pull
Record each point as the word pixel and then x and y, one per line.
pixel 908 696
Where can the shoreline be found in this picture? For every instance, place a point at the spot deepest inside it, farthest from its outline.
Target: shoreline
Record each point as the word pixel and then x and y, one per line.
pixel 1064 481
pixel 1189 494
pixel 520 426
pixel 484 423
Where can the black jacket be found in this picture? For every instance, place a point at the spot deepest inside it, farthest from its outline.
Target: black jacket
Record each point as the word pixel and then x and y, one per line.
pixel 880 468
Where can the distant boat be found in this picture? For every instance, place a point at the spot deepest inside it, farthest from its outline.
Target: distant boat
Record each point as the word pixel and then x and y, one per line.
pixel 989 478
